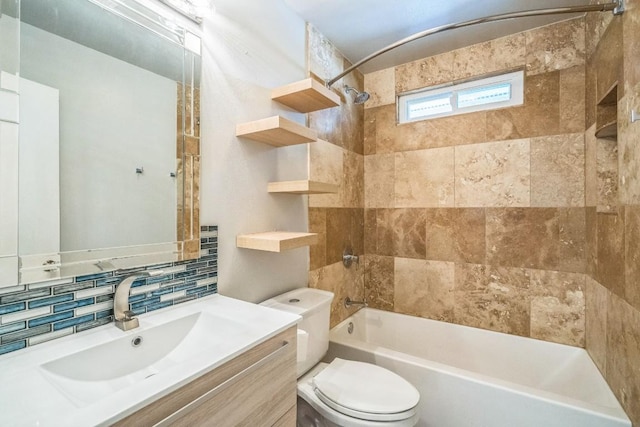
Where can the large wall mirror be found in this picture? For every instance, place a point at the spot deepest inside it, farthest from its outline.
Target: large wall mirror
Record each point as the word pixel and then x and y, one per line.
pixel 108 138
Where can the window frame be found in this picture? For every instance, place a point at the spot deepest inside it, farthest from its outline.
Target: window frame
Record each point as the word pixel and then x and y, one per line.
pixel 515 78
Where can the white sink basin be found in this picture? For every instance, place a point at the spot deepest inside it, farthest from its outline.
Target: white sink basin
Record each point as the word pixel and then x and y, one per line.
pixel 89 375
pixel 97 377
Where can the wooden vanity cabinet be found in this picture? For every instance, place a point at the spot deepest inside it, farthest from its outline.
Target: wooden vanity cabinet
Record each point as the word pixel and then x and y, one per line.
pixel 257 388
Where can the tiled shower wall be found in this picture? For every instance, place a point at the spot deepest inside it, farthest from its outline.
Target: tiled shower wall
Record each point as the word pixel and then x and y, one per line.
pixel 48 310
pixel 479 219
pixel 337 157
pixel 613 206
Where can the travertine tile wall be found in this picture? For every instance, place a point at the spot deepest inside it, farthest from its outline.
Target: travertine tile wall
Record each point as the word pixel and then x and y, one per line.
pixel 188 169
pixel 479 219
pixel 337 158
pixel 612 206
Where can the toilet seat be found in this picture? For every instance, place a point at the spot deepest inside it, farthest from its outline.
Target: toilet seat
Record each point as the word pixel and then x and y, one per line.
pixel 365 391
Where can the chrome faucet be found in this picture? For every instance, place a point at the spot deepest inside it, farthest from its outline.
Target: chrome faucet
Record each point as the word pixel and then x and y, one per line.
pixel 123 316
pixel 348 303
pixel 349 258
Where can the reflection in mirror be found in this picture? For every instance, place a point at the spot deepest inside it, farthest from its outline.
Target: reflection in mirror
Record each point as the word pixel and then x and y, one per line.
pixel 108 103
pixel 9 59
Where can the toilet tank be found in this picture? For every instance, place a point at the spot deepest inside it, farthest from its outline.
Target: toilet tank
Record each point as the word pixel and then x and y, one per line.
pixel 314 306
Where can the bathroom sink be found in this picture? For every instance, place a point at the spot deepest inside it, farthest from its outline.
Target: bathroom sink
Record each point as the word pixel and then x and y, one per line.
pixel 98 377
pixel 88 375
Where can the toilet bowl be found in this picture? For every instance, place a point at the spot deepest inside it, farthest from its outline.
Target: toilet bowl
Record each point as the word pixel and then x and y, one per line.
pixel 343 393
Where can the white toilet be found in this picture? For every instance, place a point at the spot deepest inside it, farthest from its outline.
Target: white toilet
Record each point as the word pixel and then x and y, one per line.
pixel 342 393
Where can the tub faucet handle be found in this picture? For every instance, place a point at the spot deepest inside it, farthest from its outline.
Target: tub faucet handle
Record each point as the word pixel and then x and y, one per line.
pixel 348 303
pixel 349 258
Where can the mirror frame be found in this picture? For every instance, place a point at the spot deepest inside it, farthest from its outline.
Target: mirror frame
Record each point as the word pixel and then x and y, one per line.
pixel 168 25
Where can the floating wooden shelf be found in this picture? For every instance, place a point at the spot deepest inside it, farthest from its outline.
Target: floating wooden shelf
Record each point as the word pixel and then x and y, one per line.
pixel 306 96
pixel 276 241
pixel 276 131
pixel 302 187
pixel 608 130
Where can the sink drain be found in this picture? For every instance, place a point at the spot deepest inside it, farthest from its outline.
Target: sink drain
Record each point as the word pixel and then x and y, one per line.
pixel 136 341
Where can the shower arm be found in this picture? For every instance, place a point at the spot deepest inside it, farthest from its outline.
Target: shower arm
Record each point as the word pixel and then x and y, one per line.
pixel 616 6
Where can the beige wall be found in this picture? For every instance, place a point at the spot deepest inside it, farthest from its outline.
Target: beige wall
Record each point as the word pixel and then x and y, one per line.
pixel 612 199
pixel 517 220
pixel 336 158
pixel 479 219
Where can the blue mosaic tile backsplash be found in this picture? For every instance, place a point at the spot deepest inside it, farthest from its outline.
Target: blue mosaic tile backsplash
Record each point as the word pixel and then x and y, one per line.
pixel 41 313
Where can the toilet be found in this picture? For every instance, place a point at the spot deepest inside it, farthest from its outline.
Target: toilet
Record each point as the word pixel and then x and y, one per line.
pixel 343 393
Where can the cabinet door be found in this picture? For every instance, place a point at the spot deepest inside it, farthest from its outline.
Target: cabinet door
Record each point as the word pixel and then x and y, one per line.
pixel 256 388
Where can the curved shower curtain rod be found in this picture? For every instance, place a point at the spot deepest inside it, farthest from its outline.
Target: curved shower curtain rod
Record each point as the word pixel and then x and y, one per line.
pixel 616 6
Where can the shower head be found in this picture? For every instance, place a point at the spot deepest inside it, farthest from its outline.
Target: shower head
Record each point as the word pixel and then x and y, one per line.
pixel 360 98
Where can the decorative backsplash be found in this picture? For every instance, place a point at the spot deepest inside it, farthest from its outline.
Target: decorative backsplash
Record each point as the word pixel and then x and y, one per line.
pixel 48 310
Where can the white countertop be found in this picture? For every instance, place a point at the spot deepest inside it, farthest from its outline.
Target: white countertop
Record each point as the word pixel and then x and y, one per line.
pixel 28 397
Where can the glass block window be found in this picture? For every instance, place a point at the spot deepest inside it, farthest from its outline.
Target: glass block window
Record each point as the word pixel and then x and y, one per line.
pixel 490 93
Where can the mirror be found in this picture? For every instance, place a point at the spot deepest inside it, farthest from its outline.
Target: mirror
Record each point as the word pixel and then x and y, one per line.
pixel 9 59
pixel 108 138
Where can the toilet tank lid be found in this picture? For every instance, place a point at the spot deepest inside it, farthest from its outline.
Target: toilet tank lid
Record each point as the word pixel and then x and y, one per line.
pixel 300 301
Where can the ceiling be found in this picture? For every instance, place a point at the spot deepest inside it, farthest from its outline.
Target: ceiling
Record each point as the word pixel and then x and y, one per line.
pixel 360 27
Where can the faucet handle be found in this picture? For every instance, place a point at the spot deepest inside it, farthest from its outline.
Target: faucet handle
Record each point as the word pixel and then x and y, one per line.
pixel 128 315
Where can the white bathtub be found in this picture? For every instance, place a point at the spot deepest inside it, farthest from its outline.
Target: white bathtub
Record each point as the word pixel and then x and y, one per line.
pixel 470 377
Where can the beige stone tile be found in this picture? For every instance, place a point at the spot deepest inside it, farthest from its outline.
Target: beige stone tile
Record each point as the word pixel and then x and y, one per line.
pixel 502 54
pixel 556 46
pixel 632 256
pixel 386 129
pixel 610 246
pixel 424 288
pixel 351 119
pixel 379 177
pixel 424 178
pixel 370 131
pixel 379 282
pixel 572 99
pixel 370 232
pixel 343 283
pixel 631 45
pixel 385 234
pixel 381 85
pixel 591 241
pixel 326 164
pixel 442 132
pixel 425 72
pixel 401 232
pixel 494 298
pixel 623 355
pixel 595 26
pixel 328 124
pixel 572 232
pixel 353 180
pixel 318 224
pixel 590 164
pixel 413 136
pixel 590 93
pixel 629 149
pixel 558 307
pixel 324 59
pixel 608 60
pixel 456 235
pixel 557 170
pixel 345 228
pixel 596 301
pixel 492 174
pixel 540 114
pixel 523 237
pixel 607 174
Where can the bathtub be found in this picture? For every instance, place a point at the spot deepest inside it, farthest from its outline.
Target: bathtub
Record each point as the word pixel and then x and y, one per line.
pixel 470 377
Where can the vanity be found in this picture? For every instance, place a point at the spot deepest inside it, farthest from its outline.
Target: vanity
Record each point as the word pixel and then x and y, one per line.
pixel 214 361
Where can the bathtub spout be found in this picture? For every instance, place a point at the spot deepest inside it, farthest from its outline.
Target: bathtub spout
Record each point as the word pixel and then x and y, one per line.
pixel 348 303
